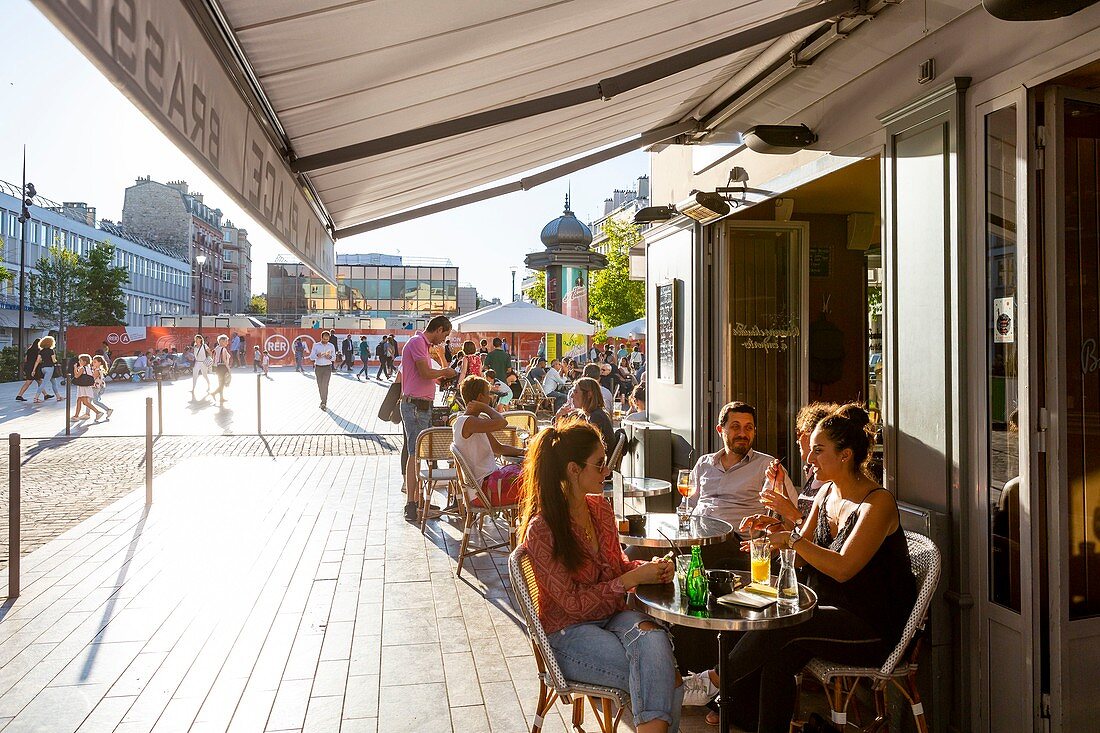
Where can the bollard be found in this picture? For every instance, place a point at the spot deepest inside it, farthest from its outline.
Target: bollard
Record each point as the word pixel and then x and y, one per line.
pixel 14 490
pixel 68 404
pixel 160 409
pixel 259 430
pixel 148 451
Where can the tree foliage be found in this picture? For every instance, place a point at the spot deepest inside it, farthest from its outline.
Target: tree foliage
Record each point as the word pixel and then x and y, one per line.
pixel 100 300
pixel 55 288
pixel 613 298
pixel 536 293
pixel 257 305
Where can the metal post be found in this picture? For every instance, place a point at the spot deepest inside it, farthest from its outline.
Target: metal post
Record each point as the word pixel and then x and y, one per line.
pixel 160 407
pixel 259 381
pixel 14 490
pixel 23 266
pixel 148 451
pixel 68 402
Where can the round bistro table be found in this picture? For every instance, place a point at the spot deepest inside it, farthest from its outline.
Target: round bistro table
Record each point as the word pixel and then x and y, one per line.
pixel 664 602
pixel 704 531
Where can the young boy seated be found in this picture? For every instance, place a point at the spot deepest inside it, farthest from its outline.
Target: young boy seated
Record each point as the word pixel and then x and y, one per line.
pixel 473 439
pixel 498 388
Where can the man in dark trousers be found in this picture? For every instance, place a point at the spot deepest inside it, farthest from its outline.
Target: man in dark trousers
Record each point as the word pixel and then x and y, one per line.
pixel 381 351
pixel 349 353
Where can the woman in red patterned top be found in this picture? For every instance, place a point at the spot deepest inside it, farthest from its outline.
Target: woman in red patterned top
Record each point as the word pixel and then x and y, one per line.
pixel 570 533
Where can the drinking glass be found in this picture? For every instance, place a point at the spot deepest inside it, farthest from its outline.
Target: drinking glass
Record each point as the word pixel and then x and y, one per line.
pixel 682 563
pixel 686 486
pixel 761 560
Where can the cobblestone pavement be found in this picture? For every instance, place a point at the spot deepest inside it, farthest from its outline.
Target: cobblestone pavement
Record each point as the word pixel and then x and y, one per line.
pixel 65 481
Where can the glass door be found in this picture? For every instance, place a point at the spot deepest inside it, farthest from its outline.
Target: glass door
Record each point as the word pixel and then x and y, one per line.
pixel 1071 229
pixel 761 323
pixel 1002 528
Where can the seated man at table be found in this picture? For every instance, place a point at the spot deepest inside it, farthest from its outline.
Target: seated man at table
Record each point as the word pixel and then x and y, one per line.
pixel 554 384
pixel 474 440
pixel 729 482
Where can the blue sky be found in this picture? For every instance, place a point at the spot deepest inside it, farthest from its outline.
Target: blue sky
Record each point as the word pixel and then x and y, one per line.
pixel 86 142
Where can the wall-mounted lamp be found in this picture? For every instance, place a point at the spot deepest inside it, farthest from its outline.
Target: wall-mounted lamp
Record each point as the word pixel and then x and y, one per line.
pixel 779 139
pixel 654 213
pixel 704 206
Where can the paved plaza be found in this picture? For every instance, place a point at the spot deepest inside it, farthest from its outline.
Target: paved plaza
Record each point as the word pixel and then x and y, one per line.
pixel 273 584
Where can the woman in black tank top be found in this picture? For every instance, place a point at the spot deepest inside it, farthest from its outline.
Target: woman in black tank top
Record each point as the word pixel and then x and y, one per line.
pixel 852 552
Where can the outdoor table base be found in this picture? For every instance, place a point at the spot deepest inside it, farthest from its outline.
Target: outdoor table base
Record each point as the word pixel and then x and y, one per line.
pixel 665 603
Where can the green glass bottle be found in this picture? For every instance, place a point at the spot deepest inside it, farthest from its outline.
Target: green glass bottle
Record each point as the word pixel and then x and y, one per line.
pixel 697 590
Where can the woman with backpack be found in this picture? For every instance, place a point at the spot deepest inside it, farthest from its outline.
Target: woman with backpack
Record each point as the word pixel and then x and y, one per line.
pixel 83 377
pixel 223 362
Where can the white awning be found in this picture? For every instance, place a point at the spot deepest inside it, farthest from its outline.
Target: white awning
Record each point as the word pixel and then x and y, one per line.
pixel 520 317
pixel 321 113
pixel 632 330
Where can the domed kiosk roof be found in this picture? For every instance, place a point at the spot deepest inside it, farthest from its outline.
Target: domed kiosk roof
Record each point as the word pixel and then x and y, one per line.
pixel 566 231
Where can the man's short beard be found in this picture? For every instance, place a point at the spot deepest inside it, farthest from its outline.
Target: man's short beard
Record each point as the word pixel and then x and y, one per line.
pixel 742 453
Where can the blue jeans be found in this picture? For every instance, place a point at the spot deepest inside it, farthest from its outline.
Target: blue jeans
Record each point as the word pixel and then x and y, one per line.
pixel 414 422
pixel 614 652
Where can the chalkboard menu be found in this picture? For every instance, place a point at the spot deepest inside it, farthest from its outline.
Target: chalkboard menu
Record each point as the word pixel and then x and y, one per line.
pixel 666 331
pixel 819 261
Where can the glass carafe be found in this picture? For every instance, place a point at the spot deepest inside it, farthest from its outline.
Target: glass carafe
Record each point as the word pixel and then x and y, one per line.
pixel 787 586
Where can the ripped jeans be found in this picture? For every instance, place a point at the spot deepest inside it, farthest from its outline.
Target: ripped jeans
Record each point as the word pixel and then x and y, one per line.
pixel 613 652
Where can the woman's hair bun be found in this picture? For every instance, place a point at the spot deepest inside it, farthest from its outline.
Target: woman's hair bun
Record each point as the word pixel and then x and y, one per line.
pixel 854 413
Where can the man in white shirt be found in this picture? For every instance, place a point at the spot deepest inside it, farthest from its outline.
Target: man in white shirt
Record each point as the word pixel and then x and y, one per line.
pixel 729 481
pixel 141 364
pixel 323 356
pixel 554 384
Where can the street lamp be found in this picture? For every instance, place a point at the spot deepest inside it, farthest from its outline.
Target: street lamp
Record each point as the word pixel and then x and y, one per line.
pixel 201 259
pixel 28 193
pixel 514 269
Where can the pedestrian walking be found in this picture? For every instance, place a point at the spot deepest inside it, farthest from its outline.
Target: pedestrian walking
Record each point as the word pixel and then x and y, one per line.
pixel 30 358
pixel 364 355
pixel 349 353
pixel 323 356
pixel 382 351
pixel 257 358
pixel 391 354
pixel 223 363
pixel 83 378
pixel 299 355
pixel 47 361
pixel 419 372
pixel 99 370
pixel 107 354
pixel 242 350
pixel 203 357
pixel 234 346
pixel 266 364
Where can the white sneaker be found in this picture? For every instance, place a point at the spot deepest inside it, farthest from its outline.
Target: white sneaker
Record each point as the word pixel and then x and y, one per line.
pixel 698 689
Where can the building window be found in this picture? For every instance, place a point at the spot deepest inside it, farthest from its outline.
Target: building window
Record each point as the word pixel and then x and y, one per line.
pixel 227 276
pixel 227 294
pixel 227 255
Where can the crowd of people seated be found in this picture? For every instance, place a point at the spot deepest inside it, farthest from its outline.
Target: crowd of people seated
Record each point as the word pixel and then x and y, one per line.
pixel 843 526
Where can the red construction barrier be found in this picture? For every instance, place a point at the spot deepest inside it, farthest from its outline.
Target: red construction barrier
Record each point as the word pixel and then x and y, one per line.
pixel 278 341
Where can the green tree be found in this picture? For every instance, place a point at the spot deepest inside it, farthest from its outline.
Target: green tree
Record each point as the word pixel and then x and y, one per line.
pixel 257 305
pixel 6 275
pixel 537 292
pixel 56 287
pixel 613 298
pixel 99 300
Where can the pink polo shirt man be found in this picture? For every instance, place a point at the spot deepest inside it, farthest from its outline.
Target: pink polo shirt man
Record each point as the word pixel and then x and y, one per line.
pixel 412 384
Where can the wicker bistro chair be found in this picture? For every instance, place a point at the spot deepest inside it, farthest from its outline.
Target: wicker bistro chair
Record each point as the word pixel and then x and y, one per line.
pixel 552 683
pixel 433 447
pixel 474 516
pixel 900 670
pixel 523 421
pixel 542 401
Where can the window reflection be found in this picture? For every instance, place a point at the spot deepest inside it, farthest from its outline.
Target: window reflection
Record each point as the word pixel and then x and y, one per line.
pixel 1003 379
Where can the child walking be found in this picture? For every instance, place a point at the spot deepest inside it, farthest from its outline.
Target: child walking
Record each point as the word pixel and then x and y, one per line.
pixel 82 371
pixel 267 363
pixel 99 367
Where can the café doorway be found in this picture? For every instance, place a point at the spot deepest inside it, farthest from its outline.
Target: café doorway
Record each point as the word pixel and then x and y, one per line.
pixel 798 303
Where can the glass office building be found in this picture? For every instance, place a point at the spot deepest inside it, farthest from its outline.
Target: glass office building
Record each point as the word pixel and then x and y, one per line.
pixel 369 284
